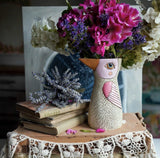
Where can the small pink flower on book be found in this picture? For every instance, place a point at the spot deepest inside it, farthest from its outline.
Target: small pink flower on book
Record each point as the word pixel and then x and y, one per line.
pixel 100 130
pixel 71 131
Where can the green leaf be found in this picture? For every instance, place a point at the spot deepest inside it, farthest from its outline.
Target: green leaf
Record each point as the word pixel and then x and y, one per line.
pixel 87 131
pixel 113 50
pixel 68 4
pixel 45 28
pixel 97 1
pixel 64 12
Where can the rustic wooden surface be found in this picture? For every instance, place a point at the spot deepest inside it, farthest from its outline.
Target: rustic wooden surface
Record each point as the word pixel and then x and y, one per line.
pixel 132 124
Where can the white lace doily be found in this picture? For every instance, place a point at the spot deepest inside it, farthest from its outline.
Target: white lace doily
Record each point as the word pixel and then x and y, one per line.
pixel 132 144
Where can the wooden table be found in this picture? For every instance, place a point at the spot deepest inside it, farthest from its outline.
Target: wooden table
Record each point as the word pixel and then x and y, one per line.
pixel 134 131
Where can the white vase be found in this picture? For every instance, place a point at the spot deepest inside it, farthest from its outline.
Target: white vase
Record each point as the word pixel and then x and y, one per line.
pixel 105 110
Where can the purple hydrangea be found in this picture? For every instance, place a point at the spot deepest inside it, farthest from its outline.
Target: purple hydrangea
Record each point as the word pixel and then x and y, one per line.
pixel 128 45
pixel 137 29
pixel 77 33
pixel 139 39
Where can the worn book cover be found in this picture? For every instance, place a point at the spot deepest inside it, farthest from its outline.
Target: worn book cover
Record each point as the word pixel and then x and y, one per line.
pixel 49 110
pixel 51 121
pixel 58 128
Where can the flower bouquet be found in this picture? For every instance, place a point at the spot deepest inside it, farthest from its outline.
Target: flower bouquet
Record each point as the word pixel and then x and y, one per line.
pixel 101 29
pixel 105 33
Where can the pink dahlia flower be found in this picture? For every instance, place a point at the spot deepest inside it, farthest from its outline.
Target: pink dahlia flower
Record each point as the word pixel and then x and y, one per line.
pixel 114 32
pixel 97 33
pixel 103 5
pixel 99 49
pixel 126 32
pixel 127 15
pixel 111 3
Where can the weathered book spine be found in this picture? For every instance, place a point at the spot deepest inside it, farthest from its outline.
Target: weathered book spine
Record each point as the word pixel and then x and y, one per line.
pixel 67 115
pixel 51 121
pixel 27 107
pixel 56 111
pixel 70 123
pixel 58 128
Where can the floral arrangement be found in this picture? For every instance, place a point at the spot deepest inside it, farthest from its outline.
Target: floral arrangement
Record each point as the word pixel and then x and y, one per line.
pixel 101 29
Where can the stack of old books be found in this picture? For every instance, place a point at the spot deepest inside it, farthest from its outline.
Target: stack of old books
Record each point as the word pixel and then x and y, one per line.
pixel 52 120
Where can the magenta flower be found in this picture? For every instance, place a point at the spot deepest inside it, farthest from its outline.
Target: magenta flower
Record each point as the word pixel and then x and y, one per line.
pixel 71 131
pixel 77 13
pixel 100 130
pixel 104 4
pixel 69 19
pixel 114 32
pixel 99 49
pixel 125 33
pixel 111 3
pixel 127 15
pixel 111 8
pixel 97 33
pixel 103 23
pixel 101 6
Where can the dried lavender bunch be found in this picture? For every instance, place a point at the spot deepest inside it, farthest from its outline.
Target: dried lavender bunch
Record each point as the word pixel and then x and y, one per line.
pixel 59 91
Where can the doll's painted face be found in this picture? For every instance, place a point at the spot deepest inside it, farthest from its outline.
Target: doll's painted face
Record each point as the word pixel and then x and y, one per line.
pixel 107 68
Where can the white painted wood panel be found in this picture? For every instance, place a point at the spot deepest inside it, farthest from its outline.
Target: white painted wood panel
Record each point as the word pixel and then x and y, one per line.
pixel 133 90
pixel 35 58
